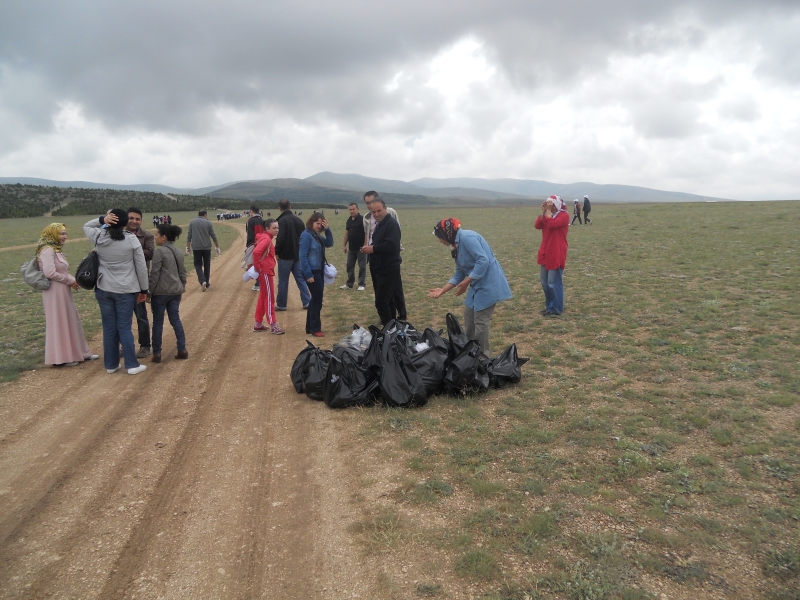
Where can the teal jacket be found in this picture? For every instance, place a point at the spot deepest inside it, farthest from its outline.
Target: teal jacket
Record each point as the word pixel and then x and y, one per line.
pixel 476 260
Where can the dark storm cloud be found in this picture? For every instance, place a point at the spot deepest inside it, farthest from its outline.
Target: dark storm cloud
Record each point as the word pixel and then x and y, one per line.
pixel 168 65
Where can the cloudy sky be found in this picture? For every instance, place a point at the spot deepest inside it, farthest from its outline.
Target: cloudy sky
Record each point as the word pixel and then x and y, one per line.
pixel 696 96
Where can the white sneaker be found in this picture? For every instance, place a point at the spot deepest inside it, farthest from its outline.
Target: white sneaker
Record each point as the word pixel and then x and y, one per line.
pixel 92 357
pixel 344 287
pixel 110 371
pixel 255 288
pixel 204 286
pixel 361 288
pixel 136 370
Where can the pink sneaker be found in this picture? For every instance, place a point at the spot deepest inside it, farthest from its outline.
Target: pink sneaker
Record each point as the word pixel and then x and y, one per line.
pixel 260 327
pixel 276 329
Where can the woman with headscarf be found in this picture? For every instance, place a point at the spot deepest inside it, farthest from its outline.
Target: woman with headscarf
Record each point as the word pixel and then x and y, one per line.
pixel 121 283
pixel 64 342
pixel 554 223
pixel 476 269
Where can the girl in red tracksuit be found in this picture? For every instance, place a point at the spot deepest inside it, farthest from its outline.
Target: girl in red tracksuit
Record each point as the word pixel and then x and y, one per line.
pixel 264 263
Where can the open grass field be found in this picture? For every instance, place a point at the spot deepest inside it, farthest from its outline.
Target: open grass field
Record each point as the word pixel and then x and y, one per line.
pixel 651 450
pixel 653 445
pixel 22 337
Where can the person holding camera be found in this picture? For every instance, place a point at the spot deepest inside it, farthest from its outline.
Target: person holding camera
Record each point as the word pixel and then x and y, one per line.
pixel 554 224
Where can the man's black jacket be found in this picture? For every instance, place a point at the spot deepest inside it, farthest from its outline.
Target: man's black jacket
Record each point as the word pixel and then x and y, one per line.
pixel 386 245
pixel 287 246
pixel 251 228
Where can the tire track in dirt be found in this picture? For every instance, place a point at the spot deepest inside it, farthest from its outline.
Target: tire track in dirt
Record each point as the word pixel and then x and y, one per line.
pixel 203 478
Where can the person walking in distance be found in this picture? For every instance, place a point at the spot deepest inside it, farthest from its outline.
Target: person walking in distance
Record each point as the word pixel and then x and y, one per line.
pixel 384 261
pixel 354 237
pixel 148 247
pixel 576 212
pixel 254 226
pixel 287 250
pixel 587 208
pixel 554 224
pixel 198 240
pixel 264 263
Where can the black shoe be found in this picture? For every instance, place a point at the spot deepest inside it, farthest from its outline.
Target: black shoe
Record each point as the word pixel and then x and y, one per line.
pixel 544 312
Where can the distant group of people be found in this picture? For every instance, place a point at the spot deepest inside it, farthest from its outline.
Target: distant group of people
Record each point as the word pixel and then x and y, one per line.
pixel 227 216
pixel 576 211
pixel 157 219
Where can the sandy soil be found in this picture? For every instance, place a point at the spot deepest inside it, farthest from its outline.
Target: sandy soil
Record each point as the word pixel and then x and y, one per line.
pixel 206 478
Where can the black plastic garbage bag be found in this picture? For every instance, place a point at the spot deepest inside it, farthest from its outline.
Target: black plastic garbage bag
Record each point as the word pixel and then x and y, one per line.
pixel 431 362
pixel 457 336
pixel 347 384
pixel 466 373
pixel 505 367
pixel 355 353
pixel 317 371
pixel 372 360
pixel 401 384
pixel 301 365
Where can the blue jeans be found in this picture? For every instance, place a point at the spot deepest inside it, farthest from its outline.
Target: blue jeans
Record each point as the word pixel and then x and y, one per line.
pixel 116 314
pixel 553 289
pixel 291 267
pixel 313 316
pixel 172 305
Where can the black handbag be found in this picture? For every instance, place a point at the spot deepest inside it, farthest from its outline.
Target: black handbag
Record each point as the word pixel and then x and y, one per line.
pixel 86 275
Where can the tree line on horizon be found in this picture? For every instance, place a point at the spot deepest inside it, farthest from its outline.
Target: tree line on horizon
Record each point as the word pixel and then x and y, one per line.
pixel 20 201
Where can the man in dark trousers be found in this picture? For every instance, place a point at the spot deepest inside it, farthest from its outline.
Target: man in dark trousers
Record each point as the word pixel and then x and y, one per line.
pixel 287 251
pixel 354 236
pixel 148 243
pixel 587 208
pixel 254 226
pixel 198 240
pixel 384 261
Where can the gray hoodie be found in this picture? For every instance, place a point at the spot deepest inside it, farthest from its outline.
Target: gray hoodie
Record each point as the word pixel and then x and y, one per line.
pixel 122 266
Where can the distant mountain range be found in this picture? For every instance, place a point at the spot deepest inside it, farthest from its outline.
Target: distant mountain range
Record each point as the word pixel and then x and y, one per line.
pixel 329 187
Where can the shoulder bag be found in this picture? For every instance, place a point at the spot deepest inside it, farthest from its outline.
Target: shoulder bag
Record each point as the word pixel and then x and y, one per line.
pixel 33 276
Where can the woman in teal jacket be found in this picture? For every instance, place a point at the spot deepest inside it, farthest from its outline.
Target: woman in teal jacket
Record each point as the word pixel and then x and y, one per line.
pixel 476 269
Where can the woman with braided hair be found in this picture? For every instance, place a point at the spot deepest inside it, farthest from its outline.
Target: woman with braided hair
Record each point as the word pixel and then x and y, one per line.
pixel 477 273
pixel 64 342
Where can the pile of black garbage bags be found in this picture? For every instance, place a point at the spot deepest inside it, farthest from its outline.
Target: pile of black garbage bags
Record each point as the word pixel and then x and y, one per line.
pixel 401 366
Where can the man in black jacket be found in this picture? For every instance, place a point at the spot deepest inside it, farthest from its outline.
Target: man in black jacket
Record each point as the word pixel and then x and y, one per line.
pixel 287 251
pixel 384 262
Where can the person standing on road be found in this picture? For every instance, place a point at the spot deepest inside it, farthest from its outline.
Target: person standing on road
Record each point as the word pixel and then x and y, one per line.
pixel 576 212
pixel 587 208
pixel 476 269
pixel 122 281
pixel 264 263
pixel 198 240
pixel 254 226
pixel 554 223
pixel 384 261
pixel 354 236
pixel 64 342
pixel 140 309
pixel 167 283
pixel 398 301
pixel 287 249
pixel 312 261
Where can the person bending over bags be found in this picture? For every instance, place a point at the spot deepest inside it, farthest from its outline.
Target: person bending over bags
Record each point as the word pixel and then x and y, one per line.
pixel 476 269
pixel 167 285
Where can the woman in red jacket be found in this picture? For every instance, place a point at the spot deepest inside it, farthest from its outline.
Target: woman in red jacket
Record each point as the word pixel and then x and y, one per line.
pixel 554 223
pixel 264 263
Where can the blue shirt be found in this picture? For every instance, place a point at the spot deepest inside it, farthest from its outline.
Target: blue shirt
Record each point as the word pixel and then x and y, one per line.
pixel 476 261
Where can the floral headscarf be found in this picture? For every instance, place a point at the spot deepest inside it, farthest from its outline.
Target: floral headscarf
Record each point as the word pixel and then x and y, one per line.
pixel 51 237
pixel 559 204
pixel 446 230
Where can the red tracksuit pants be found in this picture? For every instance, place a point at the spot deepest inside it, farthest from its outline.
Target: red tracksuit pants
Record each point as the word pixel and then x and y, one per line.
pixel 266 299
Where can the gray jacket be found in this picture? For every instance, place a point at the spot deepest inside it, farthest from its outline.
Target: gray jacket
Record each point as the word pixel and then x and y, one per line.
pixel 201 232
pixel 167 273
pixel 122 266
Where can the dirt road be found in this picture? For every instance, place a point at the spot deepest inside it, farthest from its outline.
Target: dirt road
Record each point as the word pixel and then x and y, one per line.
pixel 206 478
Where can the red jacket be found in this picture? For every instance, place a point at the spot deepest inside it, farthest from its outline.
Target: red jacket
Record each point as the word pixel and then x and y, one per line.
pixel 264 254
pixel 553 250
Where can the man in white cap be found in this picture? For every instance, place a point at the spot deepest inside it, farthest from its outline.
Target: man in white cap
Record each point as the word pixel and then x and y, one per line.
pixel 587 208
